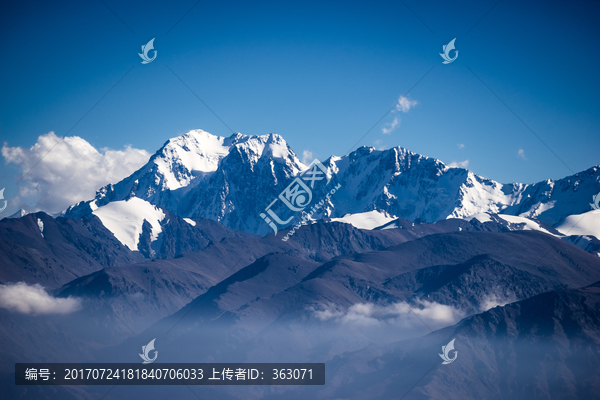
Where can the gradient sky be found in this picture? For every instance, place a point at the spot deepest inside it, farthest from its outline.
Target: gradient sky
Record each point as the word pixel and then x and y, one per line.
pixel 319 73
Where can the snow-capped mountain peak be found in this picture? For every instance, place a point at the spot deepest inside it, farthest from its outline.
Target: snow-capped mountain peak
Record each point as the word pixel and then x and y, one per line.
pixel 198 164
pixel 233 179
pixel 194 152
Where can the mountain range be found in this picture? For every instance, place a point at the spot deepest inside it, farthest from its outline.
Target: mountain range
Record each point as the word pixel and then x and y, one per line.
pixel 232 180
pixel 395 255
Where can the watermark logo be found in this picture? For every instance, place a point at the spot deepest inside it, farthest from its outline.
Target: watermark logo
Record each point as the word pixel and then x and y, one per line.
pixel 446 54
pixel 447 349
pixel 2 198
pixel 595 205
pixel 297 196
pixel 145 49
pixel 147 349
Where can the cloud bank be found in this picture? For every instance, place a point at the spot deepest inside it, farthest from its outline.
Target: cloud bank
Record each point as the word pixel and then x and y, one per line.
pixel 69 170
pixel 34 300
pixel 370 314
pixel 403 105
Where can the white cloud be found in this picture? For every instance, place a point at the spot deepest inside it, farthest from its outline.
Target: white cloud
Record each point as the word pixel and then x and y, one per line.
pixel 521 154
pixel 492 301
pixel 369 314
pixel 388 128
pixel 307 157
pixel 69 170
pixel 461 146
pixel 404 104
pixel 459 164
pixel 35 300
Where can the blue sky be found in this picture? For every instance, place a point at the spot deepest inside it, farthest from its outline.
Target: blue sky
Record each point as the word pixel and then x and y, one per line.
pixel 318 73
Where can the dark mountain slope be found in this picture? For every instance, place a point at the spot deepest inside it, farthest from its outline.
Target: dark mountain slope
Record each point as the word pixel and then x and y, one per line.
pixel 68 248
pixel 475 267
pixel 144 292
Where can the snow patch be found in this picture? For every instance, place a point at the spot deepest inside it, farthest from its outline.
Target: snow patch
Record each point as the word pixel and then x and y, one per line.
pixel 529 224
pixel 279 150
pixel 125 220
pixel 538 209
pixel 481 217
pixel 40 225
pixel 391 226
pixel 190 221
pixel 366 220
pixel 587 223
pixel 19 214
